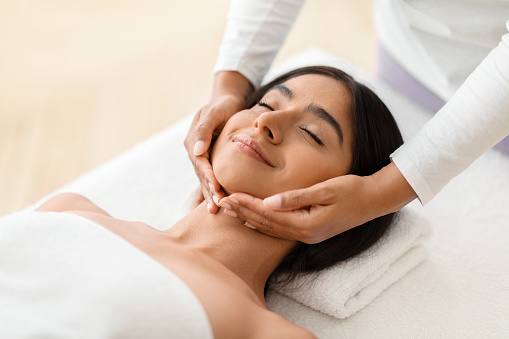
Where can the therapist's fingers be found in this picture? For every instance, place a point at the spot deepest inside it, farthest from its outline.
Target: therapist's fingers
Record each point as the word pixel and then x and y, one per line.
pixel 198 151
pixel 189 141
pixel 274 223
pixel 208 123
pixel 210 188
pixel 199 136
pixel 208 183
pixel 203 133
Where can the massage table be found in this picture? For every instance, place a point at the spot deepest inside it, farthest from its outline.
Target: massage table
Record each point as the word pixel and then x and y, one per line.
pixel 461 290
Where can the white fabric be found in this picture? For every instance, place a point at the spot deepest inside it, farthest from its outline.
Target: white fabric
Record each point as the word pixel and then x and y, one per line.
pixel 348 287
pixel 438 42
pixel 63 276
pixel 462 290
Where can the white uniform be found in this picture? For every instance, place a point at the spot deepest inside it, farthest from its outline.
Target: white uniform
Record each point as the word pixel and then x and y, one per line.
pixel 439 42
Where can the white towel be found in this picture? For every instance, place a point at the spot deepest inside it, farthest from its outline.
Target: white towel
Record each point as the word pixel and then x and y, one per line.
pixel 349 286
pixel 63 276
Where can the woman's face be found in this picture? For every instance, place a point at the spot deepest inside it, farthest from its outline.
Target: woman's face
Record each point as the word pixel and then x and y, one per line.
pixel 299 134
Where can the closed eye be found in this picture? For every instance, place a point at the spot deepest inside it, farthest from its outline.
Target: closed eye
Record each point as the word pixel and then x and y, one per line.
pixel 313 135
pixel 264 104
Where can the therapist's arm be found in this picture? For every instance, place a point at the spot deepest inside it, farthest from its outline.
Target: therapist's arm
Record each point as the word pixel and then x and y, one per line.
pixel 336 205
pixel 254 33
pixel 472 121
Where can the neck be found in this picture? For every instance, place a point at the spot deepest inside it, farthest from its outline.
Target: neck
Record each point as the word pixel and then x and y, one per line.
pixel 249 254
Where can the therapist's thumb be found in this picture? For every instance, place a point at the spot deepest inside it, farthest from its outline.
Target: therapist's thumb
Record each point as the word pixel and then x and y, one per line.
pixel 202 137
pixel 293 200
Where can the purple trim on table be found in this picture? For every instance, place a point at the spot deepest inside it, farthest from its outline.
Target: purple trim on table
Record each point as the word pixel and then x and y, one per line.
pixel 391 72
pixel 503 145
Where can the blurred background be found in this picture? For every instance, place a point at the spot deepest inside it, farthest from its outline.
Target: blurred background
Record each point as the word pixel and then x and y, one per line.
pixel 83 81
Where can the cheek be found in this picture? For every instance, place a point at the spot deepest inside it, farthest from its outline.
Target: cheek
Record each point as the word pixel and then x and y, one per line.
pixel 226 172
pixel 307 170
pixel 236 123
pixel 240 121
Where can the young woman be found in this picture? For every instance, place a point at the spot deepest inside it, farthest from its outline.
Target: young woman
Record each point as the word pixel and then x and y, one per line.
pixel 306 126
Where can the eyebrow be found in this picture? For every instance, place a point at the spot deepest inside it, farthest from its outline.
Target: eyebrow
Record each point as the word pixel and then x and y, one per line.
pixel 313 109
pixel 283 90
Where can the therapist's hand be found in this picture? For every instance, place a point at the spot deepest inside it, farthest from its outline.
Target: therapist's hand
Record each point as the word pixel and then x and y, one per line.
pixel 229 95
pixel 326 209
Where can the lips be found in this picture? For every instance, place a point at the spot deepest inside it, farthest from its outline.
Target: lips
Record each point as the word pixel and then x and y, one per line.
pixel 247 145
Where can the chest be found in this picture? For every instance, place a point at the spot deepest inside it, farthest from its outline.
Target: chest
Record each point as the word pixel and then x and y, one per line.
pixel 231 306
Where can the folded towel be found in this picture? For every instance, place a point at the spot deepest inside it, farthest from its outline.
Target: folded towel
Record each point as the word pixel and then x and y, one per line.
pixel 63 276
pixel 349 286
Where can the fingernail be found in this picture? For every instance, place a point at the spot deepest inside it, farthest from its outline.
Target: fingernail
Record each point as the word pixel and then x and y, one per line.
pixel 212 188
pixel 208 206
pixel 235 201
pixel 249 225
pixel 273 202
pixel 216 199
pixel 230 212
pixel 199 147
pixel 225 205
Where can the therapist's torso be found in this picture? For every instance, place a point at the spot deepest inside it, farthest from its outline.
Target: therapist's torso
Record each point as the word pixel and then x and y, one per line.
pixel 440 42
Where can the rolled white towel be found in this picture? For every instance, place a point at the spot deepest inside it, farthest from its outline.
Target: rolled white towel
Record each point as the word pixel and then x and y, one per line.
pixel 349 286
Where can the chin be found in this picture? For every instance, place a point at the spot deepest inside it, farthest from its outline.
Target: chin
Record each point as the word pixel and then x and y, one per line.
pixel 234 180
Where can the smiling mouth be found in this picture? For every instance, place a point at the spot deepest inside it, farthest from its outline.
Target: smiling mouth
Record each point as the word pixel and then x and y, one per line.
pixel 245 144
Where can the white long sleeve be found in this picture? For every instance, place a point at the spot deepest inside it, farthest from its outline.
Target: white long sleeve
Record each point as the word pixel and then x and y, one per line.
pixel 254 33
pixel 473 120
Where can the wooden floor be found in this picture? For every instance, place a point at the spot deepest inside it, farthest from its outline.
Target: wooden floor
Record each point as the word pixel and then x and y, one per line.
pixel 82 81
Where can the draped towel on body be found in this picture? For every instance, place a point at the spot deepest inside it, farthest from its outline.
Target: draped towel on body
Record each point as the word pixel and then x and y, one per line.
pixel 64 276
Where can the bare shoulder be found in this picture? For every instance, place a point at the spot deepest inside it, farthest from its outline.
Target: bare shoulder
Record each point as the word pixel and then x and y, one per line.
pixel 66 202
pixel 275 326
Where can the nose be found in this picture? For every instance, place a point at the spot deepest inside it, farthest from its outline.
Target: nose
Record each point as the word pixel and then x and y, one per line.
pixel 269 124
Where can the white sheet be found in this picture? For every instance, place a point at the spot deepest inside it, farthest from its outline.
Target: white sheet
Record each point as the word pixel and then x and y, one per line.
pixel 461 291
pixel 63 276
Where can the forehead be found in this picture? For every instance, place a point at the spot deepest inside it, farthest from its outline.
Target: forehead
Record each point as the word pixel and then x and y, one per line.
pixel 329 93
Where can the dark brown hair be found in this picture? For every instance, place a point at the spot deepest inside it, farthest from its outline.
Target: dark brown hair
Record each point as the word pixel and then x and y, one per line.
pixel 376 136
